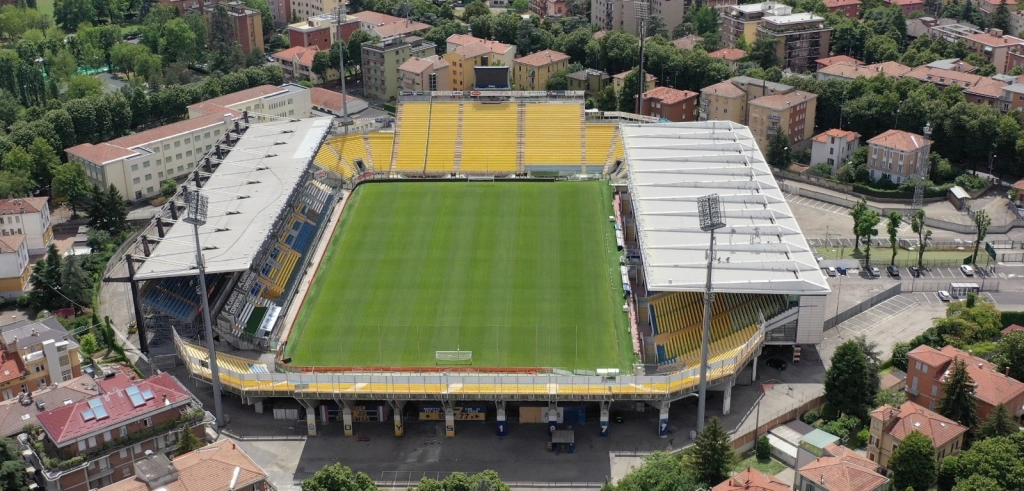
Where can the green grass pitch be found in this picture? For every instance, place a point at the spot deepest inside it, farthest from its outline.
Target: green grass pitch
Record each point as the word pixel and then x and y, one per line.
pixel 521 274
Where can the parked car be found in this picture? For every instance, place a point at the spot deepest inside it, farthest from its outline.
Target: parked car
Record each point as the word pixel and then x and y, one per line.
pixel 944 296
pixel 893 271
pixel 830 271
pixel 967 270
pixel 841 270
pixel 915 271
pixel 873 272
pixel 776 363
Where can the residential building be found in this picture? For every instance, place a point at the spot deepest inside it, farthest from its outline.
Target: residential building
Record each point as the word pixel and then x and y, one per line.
pixel 136 164
pixel 977 89
pixel 731 56
pixel 800 39
pixel 907 6
pixel 791 113
pixel 988 7
pixel 15 267
pixel 386 26
pixel 849 72
pixel 993 45
pixel 36 355
pixel 248 25
pixel 531 72
pixel 1016 21
pixel 1014 59
pixel 836 60
pixel 108 433
pixel 330 102
pixel 382 59
pixel 671 104
pixel 727 100
pixel 619 81
pixel 741 21
pixel 29 217
pixel 15 414
pixel 465 52
pixel 890 426
pixel 320 31
pixel 425 74
pixel 548 8
pixel 928 367
pixel 219 466
pixel 297 64
pixel 833 147
pixel 849 8
pixel 752 480
pixel 310 8
pixel 281 11
pixel 896 155
pixel 840 469
pixel 611 15
pixel 688 41
pixel 589 80
pixel 955 64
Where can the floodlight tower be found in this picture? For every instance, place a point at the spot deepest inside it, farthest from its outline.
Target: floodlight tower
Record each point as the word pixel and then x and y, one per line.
pixel 922 176
pixel 196 206
pixel 642 11
pixel 339 13
pixel 710 210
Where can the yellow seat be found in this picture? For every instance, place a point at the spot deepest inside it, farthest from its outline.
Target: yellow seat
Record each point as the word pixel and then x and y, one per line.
pixel 381 145
pixel 444 131
pixel 599 142
pixel 413 124
pixel 489 137
pixel 553 133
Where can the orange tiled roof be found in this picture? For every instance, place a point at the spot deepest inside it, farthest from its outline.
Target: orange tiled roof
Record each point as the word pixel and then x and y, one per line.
pixel 836 132
pixel 304 54
pixel 996 41
pixel 11 243
pixel 210 468
pixel 100 153
pixel 542 58
pixel 730 54
pixel 910 417
pixel 245 95
pixel 784 101
pixel 1012 328
pixel 843 471
pixel 900 140
pixel 17 205
pixel 330 99
pixel 850 71
pixel 725 89
pixel 687 42
pixel 992 386
pixel 752 480
pixel 668 95
pixel 834 60
pixel 840 3
pixel 971 83
pixel 466 39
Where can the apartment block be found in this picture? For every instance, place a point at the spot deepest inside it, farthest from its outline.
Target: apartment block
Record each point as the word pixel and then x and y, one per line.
pixel 385 26
pixel 993 45
pixel 850 71
pixel 687 42
pixel 833 147
pixel 670 104
pixel 800 39
pixel 29 217
pixel 891 425
pixel 304 9
pixel 741 21
pixel 531 72
pixel 36 355
pixel 382 59
pixel 136 164
pixel 502 53
pixel 248 26
pixel 548 8
pixel 727 100
pixel 836 60
pixel 15 267
pixel 792 114
pixel 619 81
pixel 281 11
pixel 907 6
pixel 896 155
pixel 425 74
pixel 15 414
pixel 611 15
pixel 731 56
pixel 849 8
pixel 96 442
pixel 465 52
pixel 219 466
pixel 927 368
pixel 297 64
pixel 589 80
pixel 977 89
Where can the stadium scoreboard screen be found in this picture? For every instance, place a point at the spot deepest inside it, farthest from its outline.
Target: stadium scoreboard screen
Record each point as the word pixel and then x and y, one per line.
pixel 491 77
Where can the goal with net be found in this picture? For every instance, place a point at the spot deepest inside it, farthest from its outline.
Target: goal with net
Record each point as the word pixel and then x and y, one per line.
pixel 453 357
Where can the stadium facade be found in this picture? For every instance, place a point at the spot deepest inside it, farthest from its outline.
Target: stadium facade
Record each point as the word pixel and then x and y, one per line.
pixel 276 188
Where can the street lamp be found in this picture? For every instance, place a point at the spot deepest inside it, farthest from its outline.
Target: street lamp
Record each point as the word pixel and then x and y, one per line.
pixel 196 206
pixel 710 210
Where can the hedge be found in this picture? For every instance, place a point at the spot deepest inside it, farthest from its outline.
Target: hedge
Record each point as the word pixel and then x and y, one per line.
pixel 1012 318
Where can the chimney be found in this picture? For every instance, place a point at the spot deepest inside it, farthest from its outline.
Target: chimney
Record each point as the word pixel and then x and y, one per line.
pixel 1007 371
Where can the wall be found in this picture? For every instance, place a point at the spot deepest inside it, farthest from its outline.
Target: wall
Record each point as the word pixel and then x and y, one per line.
pixel 811 318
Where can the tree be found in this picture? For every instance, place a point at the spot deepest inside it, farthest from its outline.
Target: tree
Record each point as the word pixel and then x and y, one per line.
pixel 1001 17
pixel 630 89
pixel 71 183
pixel 866 228
pixel 998 460
pixel 849 384
pixel 900 349
pixel 763 448
pixel 519 6
pixel 107 211
pixel 168 188
pixel 917 225
pixel 187 442
pixel 12 466
pixel 71 13
pixel 558 81
pixel 857 211
pixel 338 477
pixel 43 160
pixel 763 52
pixel 1010 354
pixel 711 457
pixel 656 26
pixel 892 225
pixel 660 471
pixel 475 8
pixel 87 343
pixel 19 162
pixel 946 477
pixel 913 462
pixel 957 401
pixel 779 155
pixel 892 397
pixel 981 223
pixel 45 279
pixel 878 49
pixel 354 50
pixel 977 482
pixel 998 423
pixel 179 42
pixel 321 64
pixel 75 283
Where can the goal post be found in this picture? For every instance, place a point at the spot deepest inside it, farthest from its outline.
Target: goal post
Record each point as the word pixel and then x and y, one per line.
pixel 458 357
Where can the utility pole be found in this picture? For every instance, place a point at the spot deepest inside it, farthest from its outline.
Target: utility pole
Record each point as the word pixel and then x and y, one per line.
pixel 339 15
pixel 922 176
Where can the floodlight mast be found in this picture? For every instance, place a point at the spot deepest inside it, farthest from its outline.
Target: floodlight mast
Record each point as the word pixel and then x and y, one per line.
pixel 196 206
pixel 710 210
pixel 642 11
pixel 922 175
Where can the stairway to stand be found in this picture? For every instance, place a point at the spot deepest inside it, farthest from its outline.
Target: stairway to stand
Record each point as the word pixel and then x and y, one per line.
pixel 369 154
pixel 457 160
pixel 583 138
pixel 609 160
pixel 394 143
pixel 521 138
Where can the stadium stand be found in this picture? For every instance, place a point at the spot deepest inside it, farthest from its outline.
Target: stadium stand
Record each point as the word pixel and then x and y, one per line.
pixel 599 141
pixel 411 136
pixel 225 361
pixel 350 148
pixel 443 136
pixel 490 143
pixel 554 135
pixel 381 146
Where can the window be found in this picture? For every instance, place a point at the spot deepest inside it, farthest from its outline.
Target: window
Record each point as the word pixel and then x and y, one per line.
pixel 145 164
pixel 92 441
pixel 206 135
pixel 136 180
pixel 166 146
pixel 137 449
pixel 935 390
pixel 147 422
pixel 177 144
pixel 149 177
pixel 181 169
pixel 123 453
pixel 123 431
pixel 135 167
pixel 924 369
pixel 160 174
pixel 159 161
pixel 188 153
pixel 149 190
pixel 81 445
pixel 106 436
pixel 126 472
pixel 188 140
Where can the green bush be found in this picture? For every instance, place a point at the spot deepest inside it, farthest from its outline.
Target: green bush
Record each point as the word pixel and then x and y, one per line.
pixel 811 416
pixel 1009 317
pixel 863 435
pixel 764 448
pixel 970 182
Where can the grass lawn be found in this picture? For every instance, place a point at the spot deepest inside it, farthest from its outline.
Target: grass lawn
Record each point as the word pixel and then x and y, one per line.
pixel 521 274
pixel 769 467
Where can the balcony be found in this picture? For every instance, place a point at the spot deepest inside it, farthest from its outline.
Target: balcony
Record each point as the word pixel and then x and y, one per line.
pixel 772 128
pixel 773 117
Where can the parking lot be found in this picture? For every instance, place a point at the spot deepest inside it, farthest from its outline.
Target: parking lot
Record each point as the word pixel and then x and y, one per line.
pixel 816 204
pixel 878 314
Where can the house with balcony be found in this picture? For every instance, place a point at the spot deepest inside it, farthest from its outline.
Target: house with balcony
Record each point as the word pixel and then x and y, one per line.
pixel 833 147
pixel 800 39
pixel 15 414
pixel 95 442
pixel 849 8
pixel 792 114
pixel 590 81
pixel 993 45
pixel 896 155
pixel 891 425
pixel 927 368
pixel 741 21
pixel 840 469
pixel 29 217
pixel 35 356
pixel 727 100
pixel 219 466
pixel 531 72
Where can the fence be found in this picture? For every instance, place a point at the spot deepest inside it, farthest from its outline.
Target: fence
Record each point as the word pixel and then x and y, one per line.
pixel 883 242
pixel 861 307
pixel 936 285
pixel 741 441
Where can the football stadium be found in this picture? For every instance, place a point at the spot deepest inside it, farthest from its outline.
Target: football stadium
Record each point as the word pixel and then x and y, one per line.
pixel 493 255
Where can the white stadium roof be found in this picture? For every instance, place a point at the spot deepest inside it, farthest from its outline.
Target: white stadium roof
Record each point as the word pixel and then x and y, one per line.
pixel 761 248
pixel 247 193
